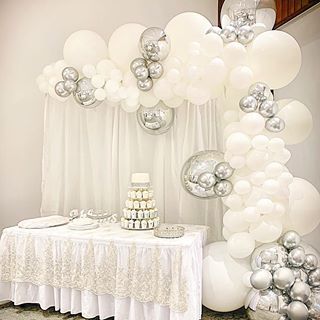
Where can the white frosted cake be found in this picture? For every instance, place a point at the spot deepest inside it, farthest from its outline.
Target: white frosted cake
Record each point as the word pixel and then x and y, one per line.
pixel 140 212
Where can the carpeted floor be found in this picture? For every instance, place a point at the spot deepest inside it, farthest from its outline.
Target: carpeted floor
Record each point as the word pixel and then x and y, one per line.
pixel 33 312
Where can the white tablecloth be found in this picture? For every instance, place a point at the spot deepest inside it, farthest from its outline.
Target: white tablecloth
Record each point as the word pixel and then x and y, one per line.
pixel 105 272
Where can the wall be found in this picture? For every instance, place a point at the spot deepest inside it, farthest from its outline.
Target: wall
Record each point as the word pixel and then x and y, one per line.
pixel 305 158
pixel 32 34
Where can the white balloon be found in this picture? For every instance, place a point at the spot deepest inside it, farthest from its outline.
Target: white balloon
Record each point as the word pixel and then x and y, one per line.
pixel 222 277
pixel 211 45
pixel 105 66
pixel 49 71
pixel 98 81
pixel 234 202
pixel 162 89
pixel 112 86
pixel 251 214
pixel 180 89
pixel 274 169
pixel 234 54
pixel 123 44
pixel 271 186
pixel 230 116
pixel 241 245
pixel 129 105
pixel 148 99
pixel 298 120
pixel 89 70
pixel 267 230
pixel 231 128
pixel 285 178
pixel 257 159
pixel 84 47
pixel 257 178
pixel 100 94
pixel 116 74
pixel 59 66
pixel 173 75
pixel 270 60
pixel 198 94
pixel 183 29
pixel 252 123
pixel 241 77
pixel 234 221
pixel 215 72
pixel 304 213
pixel 175 102
pixel 238 143
pixel 193 73
pixel 242 187
pixel 237 162
pixel 246 279
pixel 283 156
pixel 276 145
pixel 265 206
pixel 226 233
pixel 260 142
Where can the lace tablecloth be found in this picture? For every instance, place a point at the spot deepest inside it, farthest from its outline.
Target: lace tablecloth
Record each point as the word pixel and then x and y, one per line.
pixel 137 275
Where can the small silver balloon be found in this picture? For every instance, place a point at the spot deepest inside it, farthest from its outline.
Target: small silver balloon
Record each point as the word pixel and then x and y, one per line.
pixel 267 266
pixel 299 274
pixel 260 91
pixel 154 44
pixel 84 94
pixel 223 170
pixel 155 70
pixel 297 311
pixel 228 34
pixel 156 120
pixel 283 278
pixel 269 256
pixel 261 279
pixel 245 34
pixel 137 62
pixel 214 29
pixel 268 108
pixel 290 240
pixel 248 104
pixel 314 305
pixel 70 85
pixel 70 73
pixel 207 180
pixel 141 73
pixel 223 188
pixel 300 291
pixel 203 161
pixel 296 257
pixel 310 262
pixel 314 277
pixel 145 85
pixel 61 90
pixel 275 124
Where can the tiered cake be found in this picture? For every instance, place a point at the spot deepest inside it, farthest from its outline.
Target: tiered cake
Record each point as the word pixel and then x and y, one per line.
pixel 140 212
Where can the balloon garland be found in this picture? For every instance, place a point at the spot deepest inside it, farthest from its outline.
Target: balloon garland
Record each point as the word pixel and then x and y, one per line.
pixel 239 64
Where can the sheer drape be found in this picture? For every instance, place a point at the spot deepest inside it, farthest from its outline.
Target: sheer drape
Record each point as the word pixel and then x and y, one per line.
pixel 89 156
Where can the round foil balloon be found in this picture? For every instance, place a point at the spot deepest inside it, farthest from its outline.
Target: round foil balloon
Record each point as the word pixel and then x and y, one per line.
pixel 156 120
pixel 84 94
pixel 196 169
pixel 154 44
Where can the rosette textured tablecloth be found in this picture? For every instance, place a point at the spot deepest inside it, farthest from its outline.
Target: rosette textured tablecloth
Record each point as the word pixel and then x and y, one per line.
pixel 104 272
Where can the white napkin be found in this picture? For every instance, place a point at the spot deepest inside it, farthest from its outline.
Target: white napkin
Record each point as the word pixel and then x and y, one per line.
pixel 43 222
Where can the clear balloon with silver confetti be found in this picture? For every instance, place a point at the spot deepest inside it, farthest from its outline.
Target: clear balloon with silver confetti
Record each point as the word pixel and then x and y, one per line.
pixel 245 34
pixel 156 120
pixel 228 34
pixel 260 91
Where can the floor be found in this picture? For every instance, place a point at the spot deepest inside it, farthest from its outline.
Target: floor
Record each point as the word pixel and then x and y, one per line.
pixel 33 312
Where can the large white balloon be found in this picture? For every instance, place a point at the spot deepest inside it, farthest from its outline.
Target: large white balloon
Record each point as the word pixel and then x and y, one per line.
pixel 266 230
pixel 223 289
pixel 298 120
pixel 84 47
pixel 124 44
pixel 304 207
pixel 275 58
pixel 241 245
pixel 183 29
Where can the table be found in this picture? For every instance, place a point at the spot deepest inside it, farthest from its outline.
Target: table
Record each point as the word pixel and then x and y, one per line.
pixel 105 272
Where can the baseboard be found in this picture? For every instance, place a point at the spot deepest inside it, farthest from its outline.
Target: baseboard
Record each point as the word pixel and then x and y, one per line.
pixel 4 302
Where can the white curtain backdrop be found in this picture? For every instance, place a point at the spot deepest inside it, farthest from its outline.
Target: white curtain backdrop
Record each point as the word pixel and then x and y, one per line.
pixel 89 156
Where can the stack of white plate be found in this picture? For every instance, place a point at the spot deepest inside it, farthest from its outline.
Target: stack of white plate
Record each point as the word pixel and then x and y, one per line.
pixel 83 224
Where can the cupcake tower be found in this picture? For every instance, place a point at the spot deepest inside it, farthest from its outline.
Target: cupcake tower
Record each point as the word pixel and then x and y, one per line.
pixel 140 212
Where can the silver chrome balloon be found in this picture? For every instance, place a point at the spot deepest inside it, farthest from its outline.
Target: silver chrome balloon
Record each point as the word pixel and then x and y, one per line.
pixel 300 274
pixel 203 161
pixel 275 124
pixel 310 262
pixel 245 34
pixel 137 62
pixel 260 91
pixel 223 170
pixel 156 120
pixel 84 94
pixel 300 291
pixel 141 73
pixel 61 90
pixel 297 311
pixel 228 34
pixel 268 108
pixel 155 70
pixel 223 188
pixel 145 85
pixel 283 278
pixel 154 44
pixel 207 180
pixel 296 257
pixel 290 240
pixel 261 279
pixel 314 305
pixel 214 29
pixel 314 277
pixel 248 104
pixel 70 73
pixel 70 85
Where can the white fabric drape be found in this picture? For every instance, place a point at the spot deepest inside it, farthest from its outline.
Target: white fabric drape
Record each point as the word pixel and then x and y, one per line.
pixel 89 156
